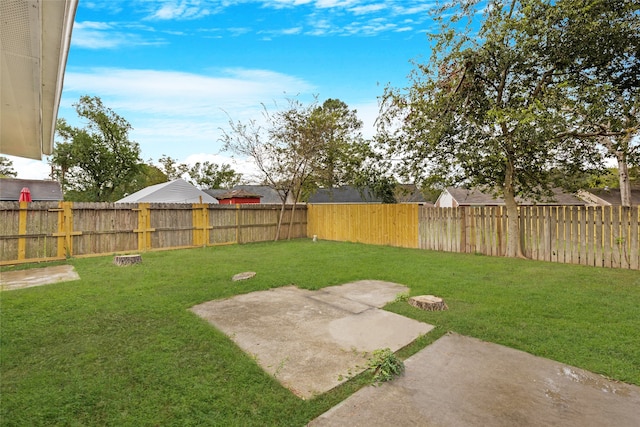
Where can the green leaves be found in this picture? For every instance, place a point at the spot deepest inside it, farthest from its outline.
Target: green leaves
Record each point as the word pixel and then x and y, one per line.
pixel 385 365
pixel 95 163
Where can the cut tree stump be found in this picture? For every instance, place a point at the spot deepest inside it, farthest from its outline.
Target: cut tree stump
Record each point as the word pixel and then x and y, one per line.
pixel 428 302
pixel 122 260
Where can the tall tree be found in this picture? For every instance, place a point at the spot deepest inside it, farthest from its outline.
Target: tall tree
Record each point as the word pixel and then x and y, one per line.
pixel 284 149
pixel 604 41
pixel 342 150
pixel 171 168
pixel 6 168
pixel 210 175
pixel 491 110
pixel 96 162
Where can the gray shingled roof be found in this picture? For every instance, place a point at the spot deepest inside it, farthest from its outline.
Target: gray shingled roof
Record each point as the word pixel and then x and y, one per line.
pixel 40 190
pixel 475 197
pixel 346 194
pixel 612 195
pixel 267 194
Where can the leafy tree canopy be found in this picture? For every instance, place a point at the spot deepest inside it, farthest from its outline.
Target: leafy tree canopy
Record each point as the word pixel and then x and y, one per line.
pixel 498 108
pixel 210 175
pixel 205 175
pixel 6 168
pixel 97 162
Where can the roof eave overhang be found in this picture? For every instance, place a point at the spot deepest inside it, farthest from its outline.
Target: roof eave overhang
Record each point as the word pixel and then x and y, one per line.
pixel 35 41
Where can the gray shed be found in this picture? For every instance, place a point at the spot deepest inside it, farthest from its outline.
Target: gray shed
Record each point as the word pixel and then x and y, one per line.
pixel 176 191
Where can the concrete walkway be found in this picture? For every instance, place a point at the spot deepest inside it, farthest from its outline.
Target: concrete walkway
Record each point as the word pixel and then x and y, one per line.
pixel 312 341
pixel 462 381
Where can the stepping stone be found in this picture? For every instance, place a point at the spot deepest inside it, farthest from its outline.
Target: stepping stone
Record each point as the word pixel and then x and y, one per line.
pixel 243 276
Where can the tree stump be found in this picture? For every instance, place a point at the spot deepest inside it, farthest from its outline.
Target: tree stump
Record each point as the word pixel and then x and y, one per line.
pixel 123 260
pixel 428 302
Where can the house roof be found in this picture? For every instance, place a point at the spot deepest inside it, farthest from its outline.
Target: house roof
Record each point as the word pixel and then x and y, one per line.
pixel 40 190
pixel 233 194
pixel 267 194
pixel 345 194
pixel 176 191
pixel 409 193
pixel 35 36
pixel 608 196
pixel 475 197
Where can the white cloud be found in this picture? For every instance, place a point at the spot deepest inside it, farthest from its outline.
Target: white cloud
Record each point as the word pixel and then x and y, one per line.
pixel 185 9
pixel 291 31
pixel 369 8
pixel 179 113
pixel 325 4
pixel 30 169
pixel 103 35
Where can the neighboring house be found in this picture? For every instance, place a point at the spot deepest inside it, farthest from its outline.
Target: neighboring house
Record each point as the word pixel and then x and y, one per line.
pixel 237 197
pixel 176 191
pixel 41 190
pixel 452 197
pixel 409 193
pixel 345 194
pixel 267 194
pixel 607 197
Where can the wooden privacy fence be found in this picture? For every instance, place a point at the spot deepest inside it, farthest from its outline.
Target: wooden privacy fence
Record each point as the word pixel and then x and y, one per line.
pixel 604 236
pixel 596 236
pixel 377 224
pixel 43 231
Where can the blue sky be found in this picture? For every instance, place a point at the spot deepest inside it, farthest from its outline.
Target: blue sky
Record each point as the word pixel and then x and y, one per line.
pixel 177 69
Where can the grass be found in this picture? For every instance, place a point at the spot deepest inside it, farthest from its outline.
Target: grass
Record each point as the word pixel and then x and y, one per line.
pixel 119 347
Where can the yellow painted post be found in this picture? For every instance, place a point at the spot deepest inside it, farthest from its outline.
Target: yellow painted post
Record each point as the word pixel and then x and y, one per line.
pixel 201 227
pixel 144 229
pixel 65 229
pixel 238 223
pixel 22 230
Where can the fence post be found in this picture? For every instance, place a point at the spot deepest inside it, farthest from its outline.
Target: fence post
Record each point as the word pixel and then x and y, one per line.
pixel 144 229
pixel 238 223
pixel 22 230
pixel 200 215
pixel 65 229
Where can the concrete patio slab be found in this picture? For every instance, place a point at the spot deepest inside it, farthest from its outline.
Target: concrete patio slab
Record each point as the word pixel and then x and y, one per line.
pixel 10 280
pixel 462 381
pixel 312 341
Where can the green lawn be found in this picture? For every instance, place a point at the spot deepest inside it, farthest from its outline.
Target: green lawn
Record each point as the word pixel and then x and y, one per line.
pixel 120 347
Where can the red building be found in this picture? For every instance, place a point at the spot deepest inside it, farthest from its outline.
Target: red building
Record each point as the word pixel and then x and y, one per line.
pixel 237 197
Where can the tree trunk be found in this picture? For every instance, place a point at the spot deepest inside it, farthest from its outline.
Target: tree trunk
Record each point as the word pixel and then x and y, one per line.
pixel 282 208
pixel 514 245
pixel 620 152
pixel 623 177
pixel 293 212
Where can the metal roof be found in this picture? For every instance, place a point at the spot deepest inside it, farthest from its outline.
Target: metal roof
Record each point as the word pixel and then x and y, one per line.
pixel 34 43
pixel 176 191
